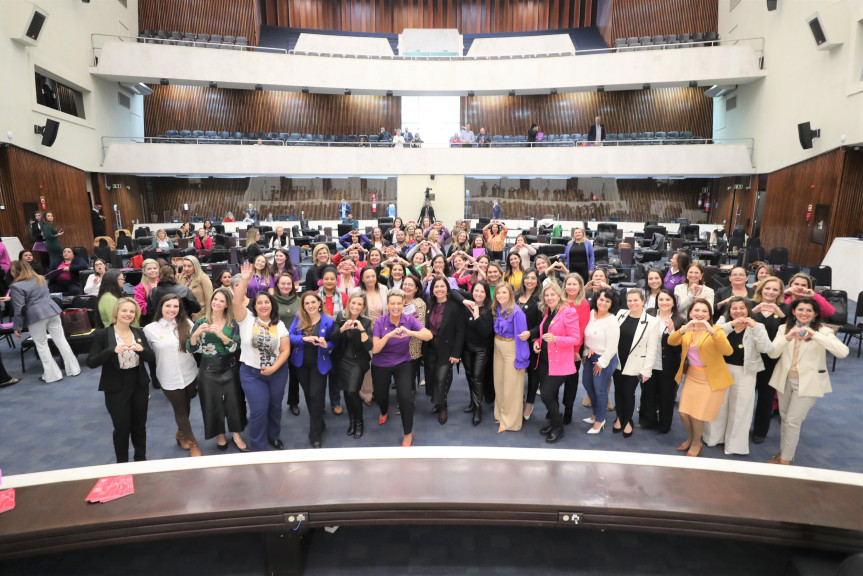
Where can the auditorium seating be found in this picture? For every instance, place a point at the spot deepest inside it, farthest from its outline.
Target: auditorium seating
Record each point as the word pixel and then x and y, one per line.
pixel 175 38
pixel 670 41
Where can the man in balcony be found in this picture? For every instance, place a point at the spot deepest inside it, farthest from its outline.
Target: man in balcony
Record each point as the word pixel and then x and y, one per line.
pixel 596 132
pixel 344 209
pixel 466 136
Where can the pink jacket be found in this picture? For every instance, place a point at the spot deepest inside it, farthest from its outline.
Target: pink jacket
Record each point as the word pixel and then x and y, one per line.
pixel 141 294
pixel 826 307
pixel 568 336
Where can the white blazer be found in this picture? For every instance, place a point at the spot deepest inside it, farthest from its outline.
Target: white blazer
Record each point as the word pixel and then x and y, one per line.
pixel 811 361
pixel 642 354
pixel 684 298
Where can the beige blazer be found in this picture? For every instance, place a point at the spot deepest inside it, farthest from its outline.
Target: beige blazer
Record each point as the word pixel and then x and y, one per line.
pixel 811 361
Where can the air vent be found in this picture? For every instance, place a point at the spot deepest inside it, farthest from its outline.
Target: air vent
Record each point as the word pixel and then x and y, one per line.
pixel 124 100
pixel 731 103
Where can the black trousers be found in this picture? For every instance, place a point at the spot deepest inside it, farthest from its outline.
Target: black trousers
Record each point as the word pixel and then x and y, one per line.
pixel 476 365
pixel 128 409
pixel 405 390
pixel 293 387
pixel 570 387
pixel 648 409
pixel 549 392
pixel 532 378
pixel 314 386
pixel 624 397
pixel 582 270
pixel 764 402
pixel 350 377
pixel 438 375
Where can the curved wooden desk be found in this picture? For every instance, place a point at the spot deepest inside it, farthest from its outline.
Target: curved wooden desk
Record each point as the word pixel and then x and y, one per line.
pixel 276 493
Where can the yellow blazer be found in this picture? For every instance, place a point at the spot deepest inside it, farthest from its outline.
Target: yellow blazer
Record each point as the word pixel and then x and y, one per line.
pixel 712 349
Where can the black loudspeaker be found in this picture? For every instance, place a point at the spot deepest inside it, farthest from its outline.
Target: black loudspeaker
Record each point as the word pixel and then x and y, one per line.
pixel 817 31
pixel 771 5
pixel 35 26
pixel 48 131
pixel 806 134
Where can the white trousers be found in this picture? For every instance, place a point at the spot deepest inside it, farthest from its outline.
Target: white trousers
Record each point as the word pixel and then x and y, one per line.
pixel 735 417
pixel 793 409
pixel 39 331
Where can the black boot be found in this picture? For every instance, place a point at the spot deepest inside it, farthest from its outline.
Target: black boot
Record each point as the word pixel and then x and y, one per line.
pixel 470 407
pixel 555 435
pixel 352 427
pixel 477 416
pixel 546 430
pixel 358 428
pixel 442 416
pixel 567 416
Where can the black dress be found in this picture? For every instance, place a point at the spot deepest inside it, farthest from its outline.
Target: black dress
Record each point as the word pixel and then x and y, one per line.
pixel 764 402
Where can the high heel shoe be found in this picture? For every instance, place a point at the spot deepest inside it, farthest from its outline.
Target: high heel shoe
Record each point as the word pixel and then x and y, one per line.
pixel 628 434
pixel 590 420
pixel 597 430
pixel 194 449
pixel 408 440
pixel 700 450
pixel 182 442
pixel 244 447
pixel 442 416
pixel 616 430
pixel 477 416
pixel 684 447
pixel 382 419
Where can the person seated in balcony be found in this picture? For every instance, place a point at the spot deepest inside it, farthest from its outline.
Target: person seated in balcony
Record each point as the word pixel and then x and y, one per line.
pixel 161 242
pixel 186 231
pixel 229 217
pixel 398 138
pixel 384 136
pixel 531 134
pixel 349 219
pixel 482 138
pixel 247 219
pixel 416 141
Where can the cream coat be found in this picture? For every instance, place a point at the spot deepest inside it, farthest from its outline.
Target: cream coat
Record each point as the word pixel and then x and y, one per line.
pixel 811 361
pixel 642 355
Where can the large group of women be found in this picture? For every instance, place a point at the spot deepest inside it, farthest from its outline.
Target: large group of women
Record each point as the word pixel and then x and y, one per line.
pixel 401 310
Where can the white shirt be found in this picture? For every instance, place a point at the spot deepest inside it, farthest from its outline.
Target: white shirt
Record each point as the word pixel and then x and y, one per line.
pixel 175 369
pixel 601 337
pixel 598 132
pixel 254 331
pixel 91 288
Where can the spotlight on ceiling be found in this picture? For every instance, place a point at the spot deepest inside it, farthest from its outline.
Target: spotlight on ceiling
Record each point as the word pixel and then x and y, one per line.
pixel 389 92
pixel 553 91
pixel 213 85
pixel 258 87
pixel 471 94
pixel 164 82
pixel 305 90
pixel 693 84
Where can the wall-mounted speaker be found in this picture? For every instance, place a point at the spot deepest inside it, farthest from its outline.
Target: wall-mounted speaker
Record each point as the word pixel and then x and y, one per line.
pixel 807 134
pixel 771 5
pixel 27 18
pixel 48 131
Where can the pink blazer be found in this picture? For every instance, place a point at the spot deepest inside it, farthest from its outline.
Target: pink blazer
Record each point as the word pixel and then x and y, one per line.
pixel 568 337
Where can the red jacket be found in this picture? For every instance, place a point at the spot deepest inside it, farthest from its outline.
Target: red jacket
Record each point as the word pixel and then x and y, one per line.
pixel 207 244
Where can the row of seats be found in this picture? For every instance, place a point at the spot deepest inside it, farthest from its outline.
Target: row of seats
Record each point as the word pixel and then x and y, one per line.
pixel 175 38
pixel 672 137
pixel 415 57
pixel 266 138
pixel 659 42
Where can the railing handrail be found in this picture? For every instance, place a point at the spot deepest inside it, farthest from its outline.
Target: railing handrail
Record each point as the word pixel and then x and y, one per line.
pixel 454 57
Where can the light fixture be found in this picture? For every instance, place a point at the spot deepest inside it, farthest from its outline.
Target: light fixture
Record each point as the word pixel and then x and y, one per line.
pixel 163 81
pixel 470 94
pixel 305 90
pixel 693 84
pixel 347 91
pixel 600 88
pixel 258 87
pixel 553 91
pixel 512 92
pixel 213 85
pixel 646 87
pixel 389 92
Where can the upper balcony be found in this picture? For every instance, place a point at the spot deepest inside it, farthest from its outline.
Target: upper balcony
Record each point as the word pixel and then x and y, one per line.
pixel 129 59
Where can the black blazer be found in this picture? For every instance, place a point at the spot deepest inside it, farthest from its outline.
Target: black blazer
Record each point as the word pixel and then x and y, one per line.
pixel 724 293
pixel 350 344
pixel 450 340
pixel 102 354
pixel 591 134
pixel 670 354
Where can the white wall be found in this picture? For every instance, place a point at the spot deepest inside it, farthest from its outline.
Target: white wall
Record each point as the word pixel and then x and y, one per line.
pixel 543 44
pixel 802 83
pixel 64 52
pixel 318 161
pixel 449 196
pixel 124 61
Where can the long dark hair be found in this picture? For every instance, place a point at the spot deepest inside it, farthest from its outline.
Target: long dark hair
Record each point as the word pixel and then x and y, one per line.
pixel 183 328
pixel 791 320
pixel 486 307
pixel 274 313
pixel 289 266
pixel 111 284
pixel 432 301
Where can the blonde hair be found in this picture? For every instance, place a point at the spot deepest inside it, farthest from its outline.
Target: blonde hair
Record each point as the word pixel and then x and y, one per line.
pixel 358 293
pixel 144 265
pixel 510 308
pixel 580 296
pixel 583 235
pixel 317 249
pixel 22 271
pixel 759 288
pixel 553 286
pixel 120 302
pixel 433 236
pixel 161 231
pixel 196 266
pixel 251 234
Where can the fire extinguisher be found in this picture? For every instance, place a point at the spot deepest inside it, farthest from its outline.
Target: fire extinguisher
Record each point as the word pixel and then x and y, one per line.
pixel 701 200
pixel 374 202
pixel 809 214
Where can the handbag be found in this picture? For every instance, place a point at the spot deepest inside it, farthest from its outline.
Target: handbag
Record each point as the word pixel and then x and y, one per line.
pixel 75 321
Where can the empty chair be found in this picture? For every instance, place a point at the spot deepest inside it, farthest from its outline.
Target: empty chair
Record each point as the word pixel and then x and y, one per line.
pixel 215 41
pixel 564 140
pixel 189 37
pixel 632 41
pixel 823 276
pixel 673 135
pixel 778 257
pixel 521 139
pixel 661 137
pixel 172 133
pixel 552 139
pixel 242 41
pixel 619 42
pixel 786 271
pixel 658 40
pixel 229 39
pixel 185 134
pixel 224 135
pixel 197 134
pixel 508 140
pixel 203 38
pixel 175 38
pixel 648 136
pixel 236 137
pixel 162 37
pixel 645 41
pixel 684 40
pixel 710 37
pixel 496 140
pixel 671 39
pixel 637 136
pixel 686 137
pixel 611 137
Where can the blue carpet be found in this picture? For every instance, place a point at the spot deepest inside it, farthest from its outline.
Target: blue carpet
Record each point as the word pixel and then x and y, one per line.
pixel 65 425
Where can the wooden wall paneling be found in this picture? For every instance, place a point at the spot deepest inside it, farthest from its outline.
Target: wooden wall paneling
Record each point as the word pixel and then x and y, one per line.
pixel 848 215
pixel 652 17
pixel 128 198
pixel 724 202
pixel 393 16
pixel 64 189
pixel 789 192
pixel 225 17
pixel 605 20
pixel 630 111
pixel 199 108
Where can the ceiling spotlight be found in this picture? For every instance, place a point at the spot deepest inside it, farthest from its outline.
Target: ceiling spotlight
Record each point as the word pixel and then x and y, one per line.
pixel 600 88
pixel 693 84
pixel 258 87
pixel 389 92
pixel 646 87
pixel 305 90
pixel 163 81
pixel 347 91
pixel 512 92
pixel 553 91
pixel 470 94
pixel 213 85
